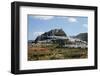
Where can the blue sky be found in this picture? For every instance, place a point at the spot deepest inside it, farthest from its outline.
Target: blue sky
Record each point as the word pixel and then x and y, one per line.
pixel 72 25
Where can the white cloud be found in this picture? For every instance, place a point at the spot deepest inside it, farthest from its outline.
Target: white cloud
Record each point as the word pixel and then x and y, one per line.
pixel 37 33
pixel 85 25
pixel 72 19
pixel 44 17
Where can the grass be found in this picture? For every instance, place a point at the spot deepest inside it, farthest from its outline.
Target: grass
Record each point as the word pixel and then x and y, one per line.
pixel 52 52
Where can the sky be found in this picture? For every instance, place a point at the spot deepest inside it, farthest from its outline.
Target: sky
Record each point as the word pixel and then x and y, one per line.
pixel 72 25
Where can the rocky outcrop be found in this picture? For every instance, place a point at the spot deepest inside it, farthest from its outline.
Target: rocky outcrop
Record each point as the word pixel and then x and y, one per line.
pixel 82 36
pixel 55 33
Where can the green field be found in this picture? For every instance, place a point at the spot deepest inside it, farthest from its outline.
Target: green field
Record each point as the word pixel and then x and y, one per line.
pixel 53 52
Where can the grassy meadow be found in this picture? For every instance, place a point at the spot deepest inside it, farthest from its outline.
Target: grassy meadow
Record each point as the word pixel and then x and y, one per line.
pixel 53 52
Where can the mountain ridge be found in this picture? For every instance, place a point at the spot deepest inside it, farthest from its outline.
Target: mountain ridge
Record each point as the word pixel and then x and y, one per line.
pixel 59 33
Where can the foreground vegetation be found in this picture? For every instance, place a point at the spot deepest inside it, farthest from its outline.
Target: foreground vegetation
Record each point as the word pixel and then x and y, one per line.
pixel 53 52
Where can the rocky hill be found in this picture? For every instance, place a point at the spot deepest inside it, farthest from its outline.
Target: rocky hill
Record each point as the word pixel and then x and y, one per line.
pixel 51 33
pixel 60 34
pixel 82 36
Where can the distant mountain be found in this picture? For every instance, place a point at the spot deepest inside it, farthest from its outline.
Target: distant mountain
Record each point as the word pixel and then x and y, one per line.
pixel 59 34
pixel 51 33
pixel 82 36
